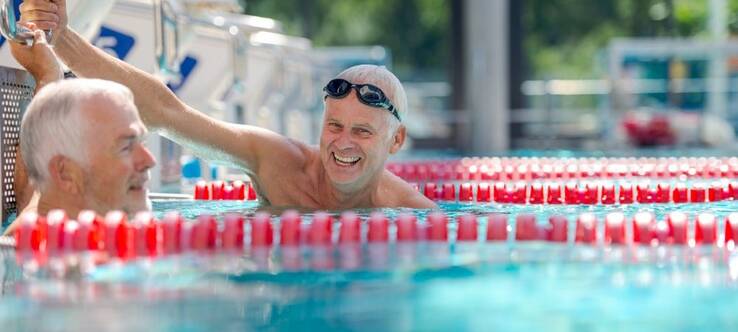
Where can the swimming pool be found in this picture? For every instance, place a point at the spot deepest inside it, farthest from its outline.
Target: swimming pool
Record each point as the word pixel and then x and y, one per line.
pixel 510 285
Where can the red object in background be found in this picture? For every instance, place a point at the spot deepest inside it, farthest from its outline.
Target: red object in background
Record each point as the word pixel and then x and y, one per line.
pixel 146 235
pixel 677 222
pixel 680 194
pixel 55 221
pixel 29 236
pixel 731 228
pixel 465 192
pixel 500 193
pixel 558 229
pixel 251 192
pixel 643 225
pixel 430 190
pixel 290 227
pixel 118 235
pixel 663 191
pixel 378 228
pixel 321 229
pixel 536 193
pixel 483 192
pixel 651 131
pixel 262 232
pixel 407 227
pixel 705 229
pixel 171 232
pixel 615 228
pixel 202 190
pixel 239 190
pixel 625 193
pixel 592 195
pixel 733 191
pixel 448 192
pixel 497 227
pixel 519 193
pixel 467 227
pixel 586 231
pixel 697 194
pixel 204 234
pixel 553 193
pixel 526 228
pixel 608 193
pixel 228 192
pixel 715 192
pixel 660 232
pixel 91 232
pixel 350 231
pixel 216 190
pixel 437 226
pixel 643 193
pixel 571 193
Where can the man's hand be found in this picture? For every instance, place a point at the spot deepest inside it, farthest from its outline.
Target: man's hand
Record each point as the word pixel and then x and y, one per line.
pixel 38 59
pixel 46 14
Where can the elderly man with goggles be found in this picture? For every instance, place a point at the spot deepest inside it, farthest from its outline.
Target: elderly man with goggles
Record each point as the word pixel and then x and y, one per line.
pixel 347 170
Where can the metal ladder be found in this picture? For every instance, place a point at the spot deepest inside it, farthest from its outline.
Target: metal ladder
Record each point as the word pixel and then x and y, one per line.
pixel 16 91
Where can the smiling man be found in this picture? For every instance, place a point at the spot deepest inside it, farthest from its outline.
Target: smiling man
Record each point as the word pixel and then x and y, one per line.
pixel 361 128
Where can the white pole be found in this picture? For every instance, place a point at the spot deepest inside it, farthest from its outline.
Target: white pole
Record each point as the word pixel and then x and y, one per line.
pixel 486 75
pixel 718 81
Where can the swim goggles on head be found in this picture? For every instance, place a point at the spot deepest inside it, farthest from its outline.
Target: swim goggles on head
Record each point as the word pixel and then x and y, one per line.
pixel 367 93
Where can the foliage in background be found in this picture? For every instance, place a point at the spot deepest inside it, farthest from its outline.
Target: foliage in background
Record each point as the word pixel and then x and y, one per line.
pixel 561 38
pixel 564 37
pixel 415 31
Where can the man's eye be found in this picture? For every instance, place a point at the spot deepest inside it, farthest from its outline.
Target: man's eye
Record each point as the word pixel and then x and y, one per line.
pixel 363 132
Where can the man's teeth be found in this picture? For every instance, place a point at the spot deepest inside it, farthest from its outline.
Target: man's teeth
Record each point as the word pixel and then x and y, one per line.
pixel 346 160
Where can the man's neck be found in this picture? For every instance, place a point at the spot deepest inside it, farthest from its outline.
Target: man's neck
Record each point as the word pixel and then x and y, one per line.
pixel 347 198
pixel 52 199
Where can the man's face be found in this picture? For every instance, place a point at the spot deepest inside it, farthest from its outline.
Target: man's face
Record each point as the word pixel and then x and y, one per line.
pixel 119 162
pixel 355 141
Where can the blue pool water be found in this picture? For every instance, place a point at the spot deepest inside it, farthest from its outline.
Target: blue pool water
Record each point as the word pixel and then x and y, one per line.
pixel 476 287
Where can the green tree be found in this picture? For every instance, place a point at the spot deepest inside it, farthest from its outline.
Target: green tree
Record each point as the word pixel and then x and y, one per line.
pixel 415 31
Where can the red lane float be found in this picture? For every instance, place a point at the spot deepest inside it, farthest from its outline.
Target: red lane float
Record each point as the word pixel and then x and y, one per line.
pixel 350 229
pixel 219 190
pixel 115 237
pixel 466 228
pixel 497 227
pixel 378 228
pixel 514 169
pixel 572 193
pixel 586 230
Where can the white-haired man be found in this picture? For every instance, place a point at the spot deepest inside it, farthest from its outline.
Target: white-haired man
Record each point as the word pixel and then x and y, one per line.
pixel 82 142
pixel 361 128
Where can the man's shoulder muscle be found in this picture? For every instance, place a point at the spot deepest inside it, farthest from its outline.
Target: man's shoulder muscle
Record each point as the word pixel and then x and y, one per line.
pixel 402 194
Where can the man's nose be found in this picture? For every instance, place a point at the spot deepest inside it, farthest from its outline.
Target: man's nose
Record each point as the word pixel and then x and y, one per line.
pixel 144 159
pixel 344 140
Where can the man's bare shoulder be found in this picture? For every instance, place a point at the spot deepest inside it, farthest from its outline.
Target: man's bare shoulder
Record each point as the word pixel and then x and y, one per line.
pixel 278 152
pixel 398 193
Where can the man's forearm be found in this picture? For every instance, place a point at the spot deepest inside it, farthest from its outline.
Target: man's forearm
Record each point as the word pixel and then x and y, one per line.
pixel 88 61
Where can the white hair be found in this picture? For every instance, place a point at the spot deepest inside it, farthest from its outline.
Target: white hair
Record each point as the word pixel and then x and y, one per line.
pixel 54 125
pixel 385 80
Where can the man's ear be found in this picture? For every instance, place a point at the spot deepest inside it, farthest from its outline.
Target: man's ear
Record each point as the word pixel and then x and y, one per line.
pixel 398 139
pixel 66 174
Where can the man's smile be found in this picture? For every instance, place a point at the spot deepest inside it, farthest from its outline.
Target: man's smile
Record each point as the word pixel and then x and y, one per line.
pixel 345 161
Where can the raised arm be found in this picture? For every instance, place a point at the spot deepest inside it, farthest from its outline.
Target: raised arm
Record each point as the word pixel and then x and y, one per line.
pixel 40 61
pixel 241 145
